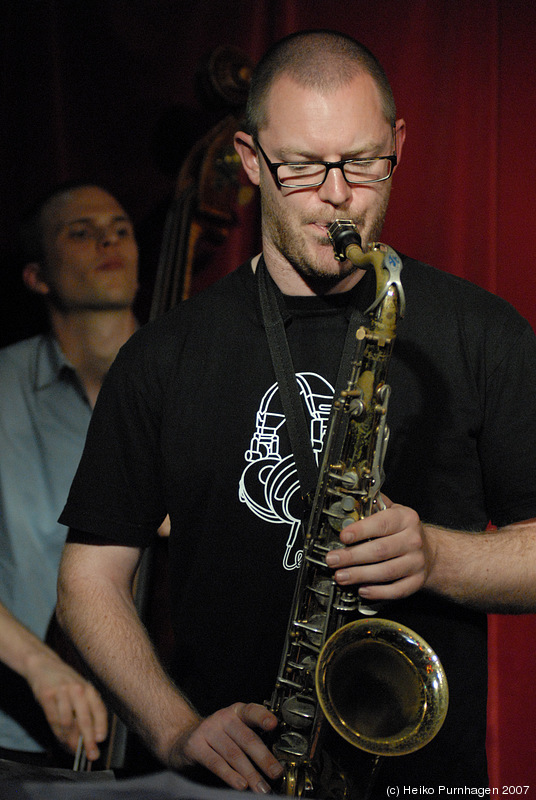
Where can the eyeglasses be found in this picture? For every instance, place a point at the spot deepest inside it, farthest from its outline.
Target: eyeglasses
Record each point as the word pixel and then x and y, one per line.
pixel 303 174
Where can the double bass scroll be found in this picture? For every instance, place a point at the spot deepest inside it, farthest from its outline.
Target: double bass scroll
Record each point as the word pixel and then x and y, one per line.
pixel 208 187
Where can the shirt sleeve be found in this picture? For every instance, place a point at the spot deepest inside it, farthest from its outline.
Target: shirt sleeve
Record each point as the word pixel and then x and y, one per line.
pixel 116 495
pixel 508 438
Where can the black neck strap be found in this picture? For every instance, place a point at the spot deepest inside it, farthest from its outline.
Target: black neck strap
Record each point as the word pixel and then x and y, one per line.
pixel 293 407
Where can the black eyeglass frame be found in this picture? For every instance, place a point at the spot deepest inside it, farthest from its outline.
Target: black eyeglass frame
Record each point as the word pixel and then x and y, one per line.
pixel 274 166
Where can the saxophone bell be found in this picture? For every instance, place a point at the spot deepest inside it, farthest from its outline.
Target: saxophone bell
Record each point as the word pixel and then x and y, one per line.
pixel 381 687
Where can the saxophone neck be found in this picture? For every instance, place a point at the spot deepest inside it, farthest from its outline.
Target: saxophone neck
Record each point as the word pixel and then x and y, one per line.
pixel 388 267
pixel 347 244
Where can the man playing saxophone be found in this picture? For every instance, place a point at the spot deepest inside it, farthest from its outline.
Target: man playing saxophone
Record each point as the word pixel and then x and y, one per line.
pixel 192 422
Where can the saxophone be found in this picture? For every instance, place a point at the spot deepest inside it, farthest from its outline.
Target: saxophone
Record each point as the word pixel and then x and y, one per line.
pixel 377 683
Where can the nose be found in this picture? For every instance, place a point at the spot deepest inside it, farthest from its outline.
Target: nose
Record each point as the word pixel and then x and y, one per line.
pixel 106 235
pixel 335 189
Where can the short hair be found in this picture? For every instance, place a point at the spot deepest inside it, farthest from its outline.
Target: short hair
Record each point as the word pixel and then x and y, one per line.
pixel 30 238
pixel 319 59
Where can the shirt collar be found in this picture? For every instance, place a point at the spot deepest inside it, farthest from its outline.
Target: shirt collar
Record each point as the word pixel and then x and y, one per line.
pixel 50 363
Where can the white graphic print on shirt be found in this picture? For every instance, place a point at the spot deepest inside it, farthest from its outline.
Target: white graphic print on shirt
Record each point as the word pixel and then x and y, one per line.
pixel 269 483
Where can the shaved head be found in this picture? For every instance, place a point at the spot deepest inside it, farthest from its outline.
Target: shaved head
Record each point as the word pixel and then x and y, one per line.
pixel 322 60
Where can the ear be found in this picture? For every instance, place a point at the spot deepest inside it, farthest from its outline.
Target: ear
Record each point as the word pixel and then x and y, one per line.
pixel 245 148
pixel 400 131
pixel 32 278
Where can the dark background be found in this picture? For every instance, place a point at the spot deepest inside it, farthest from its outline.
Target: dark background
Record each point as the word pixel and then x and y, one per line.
pixel 106 90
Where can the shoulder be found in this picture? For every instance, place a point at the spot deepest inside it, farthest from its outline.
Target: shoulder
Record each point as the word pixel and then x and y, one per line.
pixel 18 370
pixel 26 347
pixel 454 301
pixel 229 302
pixel 17 361
pixel 431 282
pixel 225 310
pixel 461 328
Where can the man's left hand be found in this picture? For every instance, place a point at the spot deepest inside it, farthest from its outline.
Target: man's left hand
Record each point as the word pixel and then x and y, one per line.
pixel 387 554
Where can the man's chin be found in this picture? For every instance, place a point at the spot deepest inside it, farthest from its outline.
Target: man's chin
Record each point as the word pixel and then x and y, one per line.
pixel 324 264
pixel 324 274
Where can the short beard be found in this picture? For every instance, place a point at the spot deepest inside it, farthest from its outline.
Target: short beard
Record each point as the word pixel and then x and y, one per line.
pixel 318 278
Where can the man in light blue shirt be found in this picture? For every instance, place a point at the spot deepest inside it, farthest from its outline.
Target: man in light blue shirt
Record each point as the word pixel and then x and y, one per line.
pixel 82 257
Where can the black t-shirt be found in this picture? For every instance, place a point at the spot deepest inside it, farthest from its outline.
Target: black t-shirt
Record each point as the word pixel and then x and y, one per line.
pixel 189 422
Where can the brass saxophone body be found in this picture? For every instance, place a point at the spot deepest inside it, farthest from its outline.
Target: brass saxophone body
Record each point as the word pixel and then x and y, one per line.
pixel 377 683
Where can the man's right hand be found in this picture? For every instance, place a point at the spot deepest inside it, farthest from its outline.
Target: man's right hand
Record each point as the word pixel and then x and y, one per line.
pixel 94 584
pixel 72 705
pixel 226 744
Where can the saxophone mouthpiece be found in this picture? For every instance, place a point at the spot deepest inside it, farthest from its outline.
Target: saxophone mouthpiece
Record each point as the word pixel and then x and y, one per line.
pixel 343 234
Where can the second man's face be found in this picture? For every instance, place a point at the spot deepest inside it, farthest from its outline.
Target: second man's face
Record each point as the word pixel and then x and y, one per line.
pixel 91 255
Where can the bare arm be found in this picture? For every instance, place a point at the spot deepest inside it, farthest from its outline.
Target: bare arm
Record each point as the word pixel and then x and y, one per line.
pixel 392 555
pixel 494 571
pixel 96 608
pixel 71 705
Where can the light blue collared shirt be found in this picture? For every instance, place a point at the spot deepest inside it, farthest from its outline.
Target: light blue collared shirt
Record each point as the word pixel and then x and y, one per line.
pixel 44 415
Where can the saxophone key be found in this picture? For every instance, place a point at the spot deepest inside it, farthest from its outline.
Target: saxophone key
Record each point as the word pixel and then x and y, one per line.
pixel 356 408
pixel 349 479
pixel 291 745
pixel 298 712
pixel 320 548
pixel 285 683
pixel 323 591
pixel 307 666
pixel 313 628
pixel 347 503
pixel 342 513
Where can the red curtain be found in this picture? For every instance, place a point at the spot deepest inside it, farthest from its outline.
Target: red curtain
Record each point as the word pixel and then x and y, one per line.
pixel 88 86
